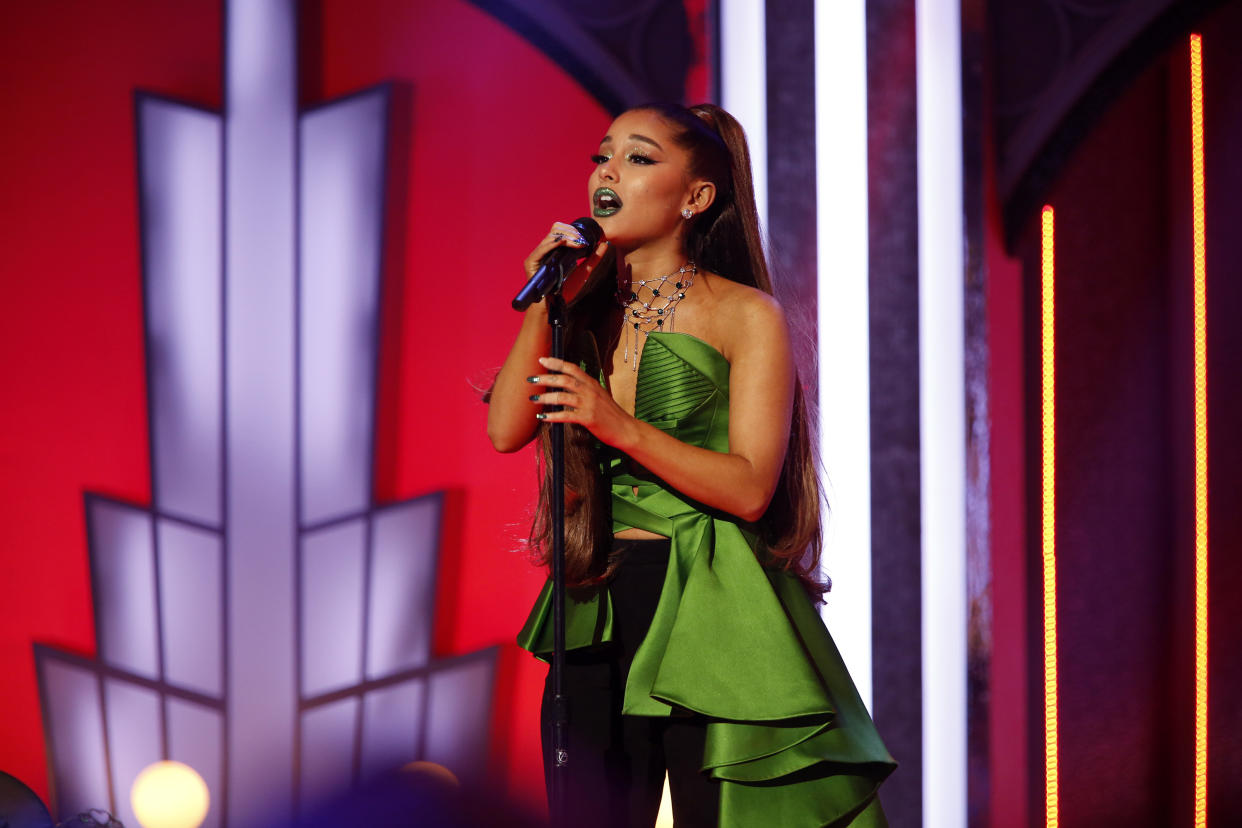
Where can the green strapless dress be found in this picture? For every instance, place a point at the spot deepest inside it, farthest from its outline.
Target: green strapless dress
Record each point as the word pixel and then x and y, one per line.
pixel 788 737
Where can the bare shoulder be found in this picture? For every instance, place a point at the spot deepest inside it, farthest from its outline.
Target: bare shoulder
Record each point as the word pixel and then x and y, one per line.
pixel 745 316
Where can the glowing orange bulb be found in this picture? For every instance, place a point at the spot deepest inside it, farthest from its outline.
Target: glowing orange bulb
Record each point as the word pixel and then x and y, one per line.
pixel 169 795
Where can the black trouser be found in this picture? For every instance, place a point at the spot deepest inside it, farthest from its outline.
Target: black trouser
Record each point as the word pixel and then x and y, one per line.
pixel 617 763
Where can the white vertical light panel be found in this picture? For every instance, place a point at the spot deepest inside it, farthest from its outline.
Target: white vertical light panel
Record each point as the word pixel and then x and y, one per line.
pixel 260 183
pixel 942 410
pixel 744 85
pixel 844 373
pixel 179 168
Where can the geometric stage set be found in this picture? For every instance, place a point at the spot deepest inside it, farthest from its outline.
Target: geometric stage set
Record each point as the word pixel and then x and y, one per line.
pixel 263 621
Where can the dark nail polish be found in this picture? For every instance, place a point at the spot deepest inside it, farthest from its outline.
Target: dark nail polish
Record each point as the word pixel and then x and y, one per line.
pixel 532 379
pixel 534 398
pixel 541 416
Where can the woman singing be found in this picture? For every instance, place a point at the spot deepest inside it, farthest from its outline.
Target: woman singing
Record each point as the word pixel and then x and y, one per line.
pixel 692 505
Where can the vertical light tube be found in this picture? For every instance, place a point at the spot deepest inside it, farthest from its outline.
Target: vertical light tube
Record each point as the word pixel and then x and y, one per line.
pixel 744 85
pixel 1048 518
pixel 1201 427
pixel 844 352
pixel 942 410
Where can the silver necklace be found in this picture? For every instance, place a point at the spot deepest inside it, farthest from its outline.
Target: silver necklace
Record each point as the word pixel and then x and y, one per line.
pixel 651 304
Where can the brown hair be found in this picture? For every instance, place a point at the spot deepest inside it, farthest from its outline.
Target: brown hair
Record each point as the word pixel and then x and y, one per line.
pixel 723 239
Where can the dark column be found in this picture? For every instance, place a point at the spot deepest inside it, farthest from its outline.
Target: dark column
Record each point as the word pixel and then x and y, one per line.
pixel 894 363
pixel 1222 81
pixel 790 46
pixel 978 420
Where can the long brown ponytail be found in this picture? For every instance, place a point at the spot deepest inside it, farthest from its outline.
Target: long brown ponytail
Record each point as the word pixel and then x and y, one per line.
pixel 724 239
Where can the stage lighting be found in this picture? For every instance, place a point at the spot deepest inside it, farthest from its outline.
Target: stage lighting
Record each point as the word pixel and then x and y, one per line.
pixel 169 795
pixel 433 774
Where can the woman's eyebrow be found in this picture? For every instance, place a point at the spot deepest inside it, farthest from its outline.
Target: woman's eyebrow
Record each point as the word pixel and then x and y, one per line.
pixel 635 137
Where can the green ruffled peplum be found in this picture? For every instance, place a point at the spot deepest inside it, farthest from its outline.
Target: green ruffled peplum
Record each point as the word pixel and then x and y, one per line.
pixel 788 736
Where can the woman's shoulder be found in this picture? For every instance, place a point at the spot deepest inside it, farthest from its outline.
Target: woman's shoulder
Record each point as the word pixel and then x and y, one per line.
pixel 742 312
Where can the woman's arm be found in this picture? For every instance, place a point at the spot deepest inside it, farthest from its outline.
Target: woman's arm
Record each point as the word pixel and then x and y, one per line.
pixel 511 414
pixel 761 383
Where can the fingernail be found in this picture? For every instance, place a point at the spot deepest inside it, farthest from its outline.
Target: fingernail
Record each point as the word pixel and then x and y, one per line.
pixel 541 416
pixel 580 241
pixel 534 398
pixel 532 379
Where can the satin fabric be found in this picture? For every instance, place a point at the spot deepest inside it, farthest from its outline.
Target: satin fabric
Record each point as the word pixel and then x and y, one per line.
pixel 789 738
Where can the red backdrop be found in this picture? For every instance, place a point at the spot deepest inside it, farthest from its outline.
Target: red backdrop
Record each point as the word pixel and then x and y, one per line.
pixel 476 178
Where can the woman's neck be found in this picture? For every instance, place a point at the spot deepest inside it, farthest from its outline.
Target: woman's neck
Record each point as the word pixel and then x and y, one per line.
pixel 648 262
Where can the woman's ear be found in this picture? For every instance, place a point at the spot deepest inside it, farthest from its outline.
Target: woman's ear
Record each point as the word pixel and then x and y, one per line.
pixel 702 194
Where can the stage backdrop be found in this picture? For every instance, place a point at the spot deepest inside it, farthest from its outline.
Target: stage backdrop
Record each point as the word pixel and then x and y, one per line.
pixel 467 169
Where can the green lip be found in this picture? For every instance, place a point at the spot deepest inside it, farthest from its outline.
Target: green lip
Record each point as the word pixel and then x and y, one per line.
pixel 602 212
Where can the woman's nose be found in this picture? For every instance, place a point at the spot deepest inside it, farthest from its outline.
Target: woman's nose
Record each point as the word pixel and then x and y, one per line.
pixel 607 172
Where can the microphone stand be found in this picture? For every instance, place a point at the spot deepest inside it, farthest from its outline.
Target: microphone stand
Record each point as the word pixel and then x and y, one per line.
pixel 547 282
pixel 560 703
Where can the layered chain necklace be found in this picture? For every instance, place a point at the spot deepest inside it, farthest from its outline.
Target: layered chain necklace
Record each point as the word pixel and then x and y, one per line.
pixel 651 304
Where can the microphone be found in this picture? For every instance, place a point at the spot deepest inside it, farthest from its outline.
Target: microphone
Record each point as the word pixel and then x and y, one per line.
pixel 555 266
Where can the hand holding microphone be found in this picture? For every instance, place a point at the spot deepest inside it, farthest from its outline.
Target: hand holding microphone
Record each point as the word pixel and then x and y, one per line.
pixel 555 257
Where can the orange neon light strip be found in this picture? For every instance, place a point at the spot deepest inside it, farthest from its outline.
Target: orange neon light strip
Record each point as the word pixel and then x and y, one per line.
pixel 1201 433
pixel 1048 521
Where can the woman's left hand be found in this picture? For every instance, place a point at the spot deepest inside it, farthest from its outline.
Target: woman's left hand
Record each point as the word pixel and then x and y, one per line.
pixel 585 402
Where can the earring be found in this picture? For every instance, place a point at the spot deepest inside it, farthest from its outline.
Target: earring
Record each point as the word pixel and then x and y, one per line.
pixel 687 213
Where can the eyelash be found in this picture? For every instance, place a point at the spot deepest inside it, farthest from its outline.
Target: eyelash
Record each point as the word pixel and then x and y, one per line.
pixel 633 158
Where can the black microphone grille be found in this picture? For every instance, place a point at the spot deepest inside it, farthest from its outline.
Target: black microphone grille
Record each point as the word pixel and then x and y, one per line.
pixel 590 230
